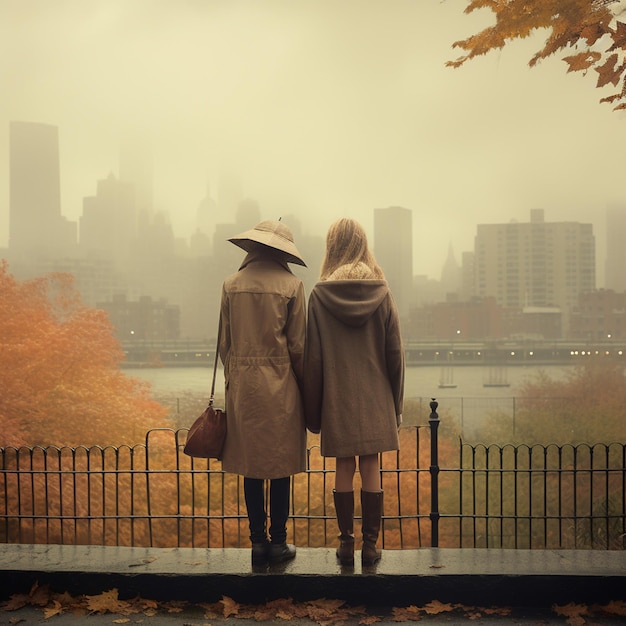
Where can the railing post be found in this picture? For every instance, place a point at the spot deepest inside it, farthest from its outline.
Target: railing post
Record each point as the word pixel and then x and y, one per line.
pixel 433 421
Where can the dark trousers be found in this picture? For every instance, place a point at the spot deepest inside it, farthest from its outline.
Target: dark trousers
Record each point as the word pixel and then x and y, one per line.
pixel 254 491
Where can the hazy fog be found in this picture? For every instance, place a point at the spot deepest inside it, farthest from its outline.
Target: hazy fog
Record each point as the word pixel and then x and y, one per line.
pixel 323 107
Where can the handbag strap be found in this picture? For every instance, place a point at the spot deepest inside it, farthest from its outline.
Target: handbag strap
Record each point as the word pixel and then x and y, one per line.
pixel 217 353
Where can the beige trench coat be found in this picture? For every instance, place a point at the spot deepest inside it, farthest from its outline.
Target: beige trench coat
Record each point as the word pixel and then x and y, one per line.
pixel 354 383
pixel 263 317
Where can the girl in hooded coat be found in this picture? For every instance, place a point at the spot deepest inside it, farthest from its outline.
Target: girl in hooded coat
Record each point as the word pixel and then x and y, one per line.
pixel 354 384
pixel 263 318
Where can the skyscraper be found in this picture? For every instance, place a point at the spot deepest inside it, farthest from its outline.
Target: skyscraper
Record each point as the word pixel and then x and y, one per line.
pixel 615 277
pixel 36 225
pixel 108 225
pixel 536 263
pixel 136 167
pixel 393 248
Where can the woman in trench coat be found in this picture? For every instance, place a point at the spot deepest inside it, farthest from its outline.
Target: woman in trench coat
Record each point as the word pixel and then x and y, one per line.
pixel 354 383
pixel 263 320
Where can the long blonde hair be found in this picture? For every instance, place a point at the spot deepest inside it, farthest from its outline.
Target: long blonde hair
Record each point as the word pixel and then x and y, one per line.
pixel 346 244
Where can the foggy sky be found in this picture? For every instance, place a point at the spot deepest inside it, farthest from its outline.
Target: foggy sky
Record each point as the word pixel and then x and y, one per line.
pixel 325 108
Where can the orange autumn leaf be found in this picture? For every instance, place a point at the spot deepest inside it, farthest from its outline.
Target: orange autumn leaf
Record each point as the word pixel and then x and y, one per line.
pixel 55 609
pixel 406 614
pixel 434 607
pixel 230 607
pixel 570 25
pixel 108 602
pixel 15 602
pixel 573 612
pixel 212 610
pixel 615 607
pixel 497 610
pixel 609 71
pixel 582 61
pixel 174 606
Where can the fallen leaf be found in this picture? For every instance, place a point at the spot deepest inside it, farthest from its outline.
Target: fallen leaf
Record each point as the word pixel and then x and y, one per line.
pixel 497 610
pixel 573 612
pixel 434 607
pixel 108 601
pixel 406 614
pixel 370 619
pixel 328 604
pixel 39 596
pixel 174 606
pixel 66 599
pixel 246 611
pixel 16 602
pixel 121 620
pixel 263 614
pixel 319 614
pixel 472 615
pixel 614 607
pixel 55 609
pixel 230 606
pixel 213 610
pixel 148 604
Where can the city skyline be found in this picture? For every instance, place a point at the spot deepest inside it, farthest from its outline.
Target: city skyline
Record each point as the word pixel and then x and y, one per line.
pixel 322 110
pixel 231 195
pixel 529 277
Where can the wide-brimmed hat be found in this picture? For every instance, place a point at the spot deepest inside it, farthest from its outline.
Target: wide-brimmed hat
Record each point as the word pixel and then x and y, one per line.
pixel 273 234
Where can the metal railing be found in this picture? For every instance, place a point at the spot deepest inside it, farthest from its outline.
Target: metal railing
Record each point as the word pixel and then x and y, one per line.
pixel 555 496
pixel 437 493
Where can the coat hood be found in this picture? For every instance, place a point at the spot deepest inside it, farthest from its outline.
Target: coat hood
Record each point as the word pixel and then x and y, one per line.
pixel 351 301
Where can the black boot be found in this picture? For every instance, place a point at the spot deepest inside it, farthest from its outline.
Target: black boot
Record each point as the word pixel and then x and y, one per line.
pixel 279 549
pixel 254 493
pixel 372 509
pixel 344 506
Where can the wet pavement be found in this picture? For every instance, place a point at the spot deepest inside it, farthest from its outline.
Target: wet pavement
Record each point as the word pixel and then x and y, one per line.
pixel 189 586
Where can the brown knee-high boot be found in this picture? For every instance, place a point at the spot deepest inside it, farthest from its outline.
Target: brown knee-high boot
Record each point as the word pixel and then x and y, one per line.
pixel 372 509
pixel 344 505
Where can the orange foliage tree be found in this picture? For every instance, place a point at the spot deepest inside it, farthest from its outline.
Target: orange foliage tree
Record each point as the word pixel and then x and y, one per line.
pixel 590 29
pixel 59 370
pixel 588 405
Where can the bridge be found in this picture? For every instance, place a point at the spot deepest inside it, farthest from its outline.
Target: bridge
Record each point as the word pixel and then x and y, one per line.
pixel 200 353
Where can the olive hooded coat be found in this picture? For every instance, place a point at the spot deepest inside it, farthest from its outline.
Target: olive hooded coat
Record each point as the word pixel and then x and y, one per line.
pixel 263 318
pixel 354 364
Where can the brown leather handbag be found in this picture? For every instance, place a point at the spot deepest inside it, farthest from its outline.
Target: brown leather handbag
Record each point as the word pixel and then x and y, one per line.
pixel 207 434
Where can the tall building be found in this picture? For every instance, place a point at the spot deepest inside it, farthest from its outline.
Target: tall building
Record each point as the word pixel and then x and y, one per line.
pixel 614 275
pixel 393 248
pixel 451 275
pixel 36 226
pixel 467 275
pixel 108 225
pixel 136 167
pixel 536 263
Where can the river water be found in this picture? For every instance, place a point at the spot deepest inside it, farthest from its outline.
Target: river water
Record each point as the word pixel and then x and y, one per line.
pixel 470 400
pixel 472 381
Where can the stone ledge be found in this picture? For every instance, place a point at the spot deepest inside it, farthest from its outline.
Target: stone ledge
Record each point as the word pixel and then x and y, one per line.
pixel 531 578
